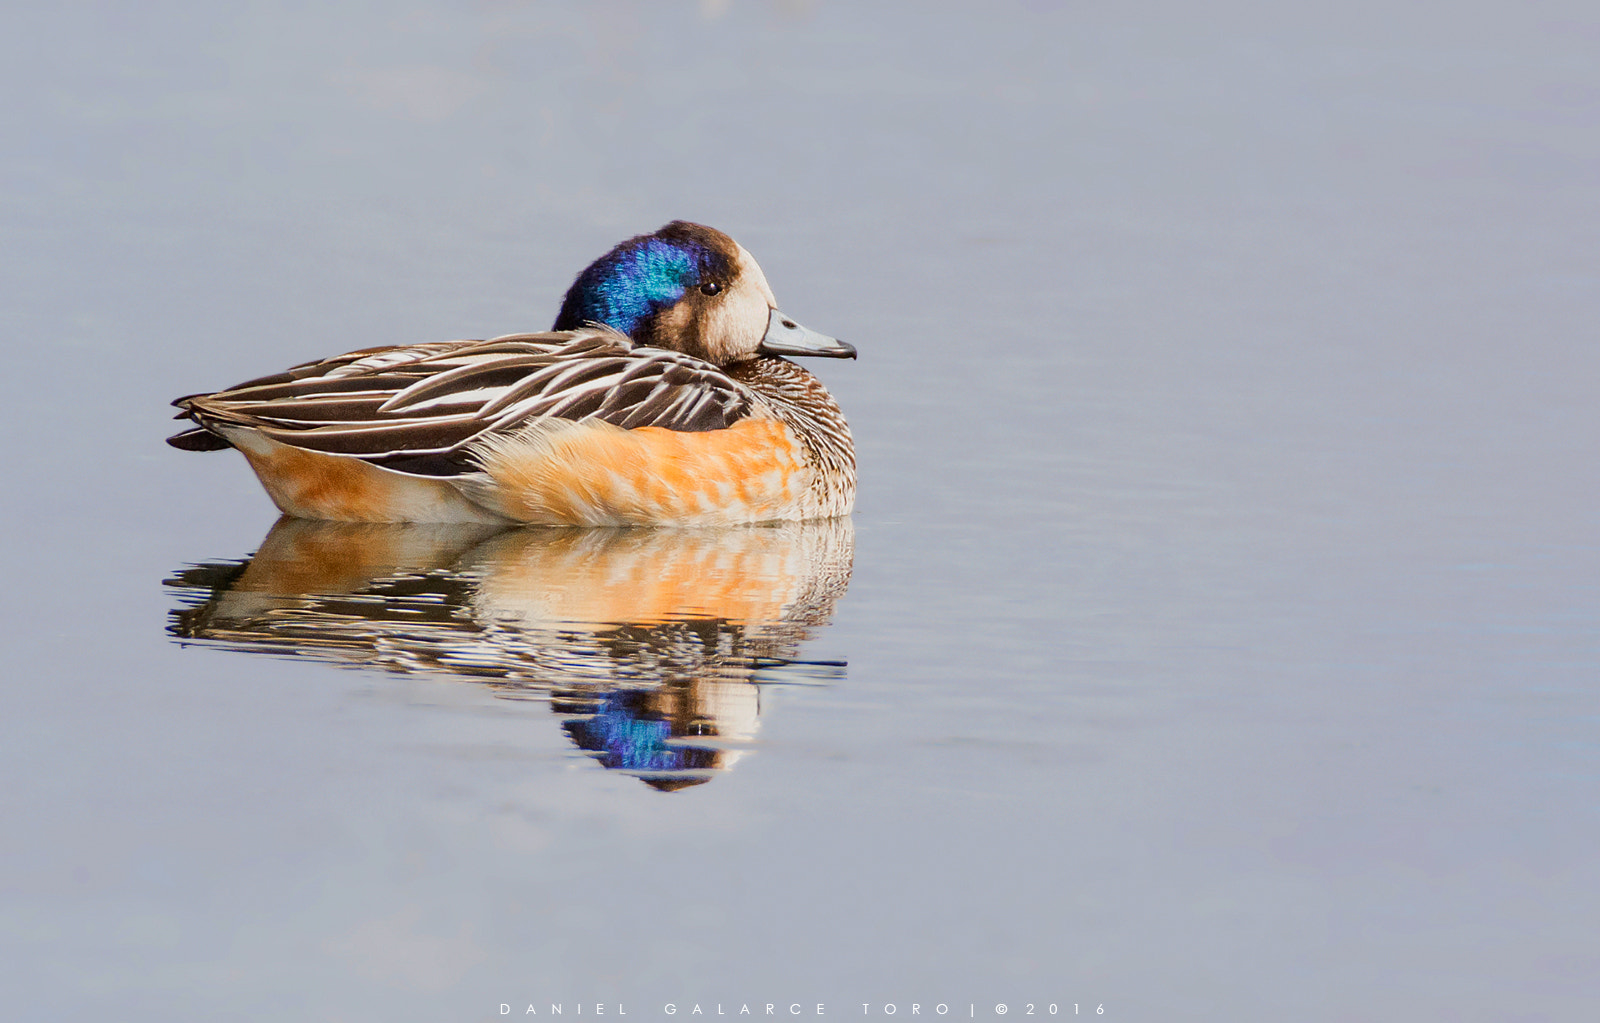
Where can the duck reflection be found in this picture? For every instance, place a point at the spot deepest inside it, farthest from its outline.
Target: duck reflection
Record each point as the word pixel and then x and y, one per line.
pixel 651 645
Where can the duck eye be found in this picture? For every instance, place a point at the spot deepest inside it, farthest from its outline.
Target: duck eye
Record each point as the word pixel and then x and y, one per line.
pixel 710 288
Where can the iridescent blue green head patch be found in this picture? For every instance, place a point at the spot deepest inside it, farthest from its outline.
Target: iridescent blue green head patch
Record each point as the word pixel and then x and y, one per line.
pixel 626 734
pixel 634 282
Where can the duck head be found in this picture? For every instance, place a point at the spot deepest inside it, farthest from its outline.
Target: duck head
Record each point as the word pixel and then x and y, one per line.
pixel 694 290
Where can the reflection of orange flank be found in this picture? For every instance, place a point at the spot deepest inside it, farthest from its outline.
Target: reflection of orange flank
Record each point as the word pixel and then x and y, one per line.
pixel 650 645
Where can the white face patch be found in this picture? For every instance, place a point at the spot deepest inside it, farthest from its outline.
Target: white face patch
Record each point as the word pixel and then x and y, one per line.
pixel 749 266
pixel 737 323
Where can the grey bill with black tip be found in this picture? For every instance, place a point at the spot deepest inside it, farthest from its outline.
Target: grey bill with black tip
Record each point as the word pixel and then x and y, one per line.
pixel 786 337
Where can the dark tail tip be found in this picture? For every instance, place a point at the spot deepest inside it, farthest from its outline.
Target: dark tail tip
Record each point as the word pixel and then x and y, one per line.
pixel 198 439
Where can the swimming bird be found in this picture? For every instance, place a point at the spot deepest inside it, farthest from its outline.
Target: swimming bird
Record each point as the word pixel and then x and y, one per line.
pixel 661 396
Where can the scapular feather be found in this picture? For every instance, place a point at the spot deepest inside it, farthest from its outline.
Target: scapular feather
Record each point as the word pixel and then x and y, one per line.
pixel 418 411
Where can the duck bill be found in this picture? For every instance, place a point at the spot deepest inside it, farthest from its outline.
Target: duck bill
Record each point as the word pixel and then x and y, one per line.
pixel 786 337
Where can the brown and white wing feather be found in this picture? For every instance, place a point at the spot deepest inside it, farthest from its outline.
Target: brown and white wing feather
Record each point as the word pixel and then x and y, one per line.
pixel 418 408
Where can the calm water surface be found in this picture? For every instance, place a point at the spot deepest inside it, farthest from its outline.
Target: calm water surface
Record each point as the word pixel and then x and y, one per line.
pixel 1216 637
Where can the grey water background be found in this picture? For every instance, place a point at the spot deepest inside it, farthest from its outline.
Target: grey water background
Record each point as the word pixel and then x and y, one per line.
pixel 1222 638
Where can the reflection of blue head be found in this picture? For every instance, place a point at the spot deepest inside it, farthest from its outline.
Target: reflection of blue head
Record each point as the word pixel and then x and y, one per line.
pixel 628 737
pixel 643 276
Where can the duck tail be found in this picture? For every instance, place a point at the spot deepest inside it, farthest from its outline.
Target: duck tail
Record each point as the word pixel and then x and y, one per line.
pixel 198 439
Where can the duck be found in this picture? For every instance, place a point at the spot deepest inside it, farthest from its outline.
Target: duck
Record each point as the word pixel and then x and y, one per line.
pixel 663 395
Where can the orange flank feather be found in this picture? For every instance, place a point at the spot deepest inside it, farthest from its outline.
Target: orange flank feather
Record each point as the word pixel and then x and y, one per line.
pixel 314 485
pixel 591 473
